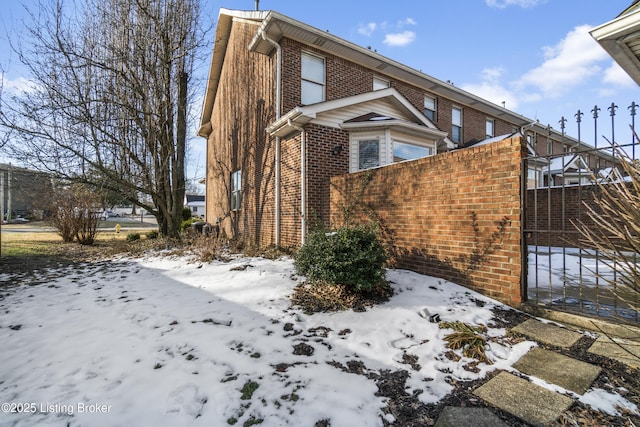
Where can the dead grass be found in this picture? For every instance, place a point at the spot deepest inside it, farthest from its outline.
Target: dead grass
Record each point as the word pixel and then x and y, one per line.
pixel 25 251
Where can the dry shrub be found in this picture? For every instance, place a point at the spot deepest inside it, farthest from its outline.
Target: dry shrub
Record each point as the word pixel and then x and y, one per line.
pixel 326 297
pixel 617 237
pixel 468 338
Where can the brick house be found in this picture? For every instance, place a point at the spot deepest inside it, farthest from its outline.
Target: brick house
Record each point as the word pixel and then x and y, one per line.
pixel 288 107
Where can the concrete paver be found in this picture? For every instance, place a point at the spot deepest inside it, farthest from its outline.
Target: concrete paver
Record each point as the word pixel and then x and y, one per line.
pixel 548 333
pixel 622 350
pixel 452 416
pixel 532 403
pixel 554 368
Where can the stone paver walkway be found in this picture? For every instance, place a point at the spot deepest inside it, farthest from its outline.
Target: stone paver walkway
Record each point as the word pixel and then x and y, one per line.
pixel 533 403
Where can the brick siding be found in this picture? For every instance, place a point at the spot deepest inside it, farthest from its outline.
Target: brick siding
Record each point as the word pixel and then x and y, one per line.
pixel 441 215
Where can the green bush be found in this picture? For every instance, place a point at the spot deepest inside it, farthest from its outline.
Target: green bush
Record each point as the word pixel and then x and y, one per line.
pixel 350 256
pixel 186 224
pixel 132 237
pixel 153 234
pixel 186 213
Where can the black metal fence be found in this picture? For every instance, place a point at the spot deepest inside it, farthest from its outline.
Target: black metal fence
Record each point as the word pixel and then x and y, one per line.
pixel 561 271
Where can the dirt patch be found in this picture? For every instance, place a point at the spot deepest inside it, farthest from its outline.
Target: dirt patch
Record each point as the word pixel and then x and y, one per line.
pixel 323 297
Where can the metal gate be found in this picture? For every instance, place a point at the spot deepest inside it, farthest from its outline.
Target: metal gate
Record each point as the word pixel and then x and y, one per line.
pixel 560 192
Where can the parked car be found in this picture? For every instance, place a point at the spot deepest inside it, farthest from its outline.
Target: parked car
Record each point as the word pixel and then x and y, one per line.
pixel 109 214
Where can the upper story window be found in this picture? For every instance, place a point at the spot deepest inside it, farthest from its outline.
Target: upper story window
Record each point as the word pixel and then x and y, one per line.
pixel 379 83
pixel 489 128
pixel 430 108
pixel 236 190
pixel 456 125
pixel 313 79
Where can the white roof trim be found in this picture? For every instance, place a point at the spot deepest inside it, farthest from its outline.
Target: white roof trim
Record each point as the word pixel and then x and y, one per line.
pixel 300 116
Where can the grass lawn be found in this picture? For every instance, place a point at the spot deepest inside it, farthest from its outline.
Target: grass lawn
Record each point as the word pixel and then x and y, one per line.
pixel 34 246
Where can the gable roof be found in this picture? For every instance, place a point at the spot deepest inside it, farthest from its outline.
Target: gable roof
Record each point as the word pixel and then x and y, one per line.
pixel 405 115
pixel 568 163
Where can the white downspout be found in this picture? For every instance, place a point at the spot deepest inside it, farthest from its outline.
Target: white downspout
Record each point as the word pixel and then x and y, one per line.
pixel 303 181
pixel 277 153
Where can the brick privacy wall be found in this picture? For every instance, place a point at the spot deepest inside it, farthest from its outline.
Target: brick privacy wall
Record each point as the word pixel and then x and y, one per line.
pixel 426 210
pixel 552 224
pixel 243 108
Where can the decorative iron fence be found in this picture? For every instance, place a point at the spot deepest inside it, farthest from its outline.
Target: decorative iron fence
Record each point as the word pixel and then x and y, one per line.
pixel 562 271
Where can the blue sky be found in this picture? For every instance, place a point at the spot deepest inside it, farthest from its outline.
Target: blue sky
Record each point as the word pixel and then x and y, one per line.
pixel 536 56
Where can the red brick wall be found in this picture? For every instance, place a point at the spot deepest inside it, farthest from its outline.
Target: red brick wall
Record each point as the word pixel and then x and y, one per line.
pixel 243 108
pixel 552 212
pixel 345 78
pixel 441 215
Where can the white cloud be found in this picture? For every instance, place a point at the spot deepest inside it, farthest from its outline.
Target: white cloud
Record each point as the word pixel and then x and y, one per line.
pixel 399 39
pixel 394 36
pixel 567 65
pixel 367 29
pixel 616 76
pixel 501 4
pixel 407 21
pixel 492 90
pixel 17 85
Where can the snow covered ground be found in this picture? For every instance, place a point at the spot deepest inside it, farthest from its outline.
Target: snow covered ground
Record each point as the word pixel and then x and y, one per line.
pixel 575 279
pixel 169 341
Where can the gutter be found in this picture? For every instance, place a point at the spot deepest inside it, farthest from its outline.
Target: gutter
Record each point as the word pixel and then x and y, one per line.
pixel 303 181
pixel 277 148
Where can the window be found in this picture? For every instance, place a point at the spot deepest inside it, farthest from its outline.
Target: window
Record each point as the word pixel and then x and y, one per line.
pixel 533 178
pixel 456 124
pixel 379 83
pixel 549 147
pixel 489 128
pixel 368 154
pixel 430 108
pixel 194 209
pixel 313 79
pixel 404 151
pixel 236 190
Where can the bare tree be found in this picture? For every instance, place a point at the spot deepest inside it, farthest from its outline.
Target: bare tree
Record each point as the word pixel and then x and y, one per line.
pixel 616 236
pixel 109 104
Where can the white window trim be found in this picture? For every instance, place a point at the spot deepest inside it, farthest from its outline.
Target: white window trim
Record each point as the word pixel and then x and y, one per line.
pixel 454 107
pixel 323 84
pixel 493 127
pixel 385 139
pixel 435 106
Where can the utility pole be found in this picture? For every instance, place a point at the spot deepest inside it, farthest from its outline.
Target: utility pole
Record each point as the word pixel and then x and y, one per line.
pixel 9 194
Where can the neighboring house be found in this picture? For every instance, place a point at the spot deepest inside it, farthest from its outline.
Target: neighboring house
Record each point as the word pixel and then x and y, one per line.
pixel 621 39
pixel 195 203
pixel 24 192
pixel 567 170
pixel 288 106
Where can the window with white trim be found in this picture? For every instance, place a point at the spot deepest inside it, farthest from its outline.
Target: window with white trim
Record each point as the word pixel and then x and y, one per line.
pixel 313 79
pixel 489 125
pixel 379 83
pixel 405 151
pixel 368 154
pixel 456 124
pixel 429 107
pixel 236 190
